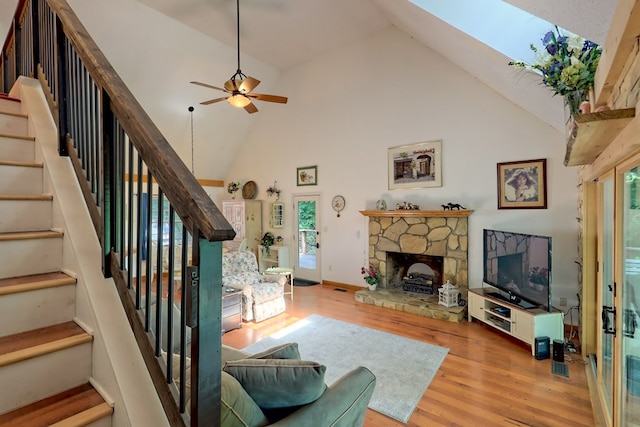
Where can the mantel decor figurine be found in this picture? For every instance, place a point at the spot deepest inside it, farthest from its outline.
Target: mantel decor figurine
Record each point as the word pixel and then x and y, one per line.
pixel 451 206
pixel 406 206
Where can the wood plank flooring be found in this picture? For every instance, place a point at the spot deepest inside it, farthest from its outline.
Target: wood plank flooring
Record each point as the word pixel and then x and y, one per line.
pixel 486 379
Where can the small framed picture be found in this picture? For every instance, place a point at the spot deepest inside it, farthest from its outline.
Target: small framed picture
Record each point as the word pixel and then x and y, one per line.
pixel 522 185
pixel 415 166
pixel 307 175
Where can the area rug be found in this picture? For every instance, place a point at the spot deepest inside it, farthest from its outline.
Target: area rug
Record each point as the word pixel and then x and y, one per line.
pixel 403 367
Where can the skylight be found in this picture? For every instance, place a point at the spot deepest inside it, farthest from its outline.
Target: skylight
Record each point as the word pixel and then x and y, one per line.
pixel 495 23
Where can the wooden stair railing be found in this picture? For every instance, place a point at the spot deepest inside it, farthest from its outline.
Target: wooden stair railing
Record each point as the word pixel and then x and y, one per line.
pixel 118 155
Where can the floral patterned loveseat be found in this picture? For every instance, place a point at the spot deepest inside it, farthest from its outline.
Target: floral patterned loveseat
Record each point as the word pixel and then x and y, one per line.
pixel 262 295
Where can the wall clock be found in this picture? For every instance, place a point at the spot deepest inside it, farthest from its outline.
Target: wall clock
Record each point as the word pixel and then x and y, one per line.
pixel 338 204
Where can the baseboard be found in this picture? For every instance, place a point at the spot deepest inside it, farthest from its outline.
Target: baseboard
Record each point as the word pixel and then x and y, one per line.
pixel 333 285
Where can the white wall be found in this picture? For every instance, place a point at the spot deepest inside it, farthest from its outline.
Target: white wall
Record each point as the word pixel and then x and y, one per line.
pixel 157 58
pixel 347 108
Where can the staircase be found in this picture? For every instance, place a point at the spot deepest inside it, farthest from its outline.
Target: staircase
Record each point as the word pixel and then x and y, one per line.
pixel 45 354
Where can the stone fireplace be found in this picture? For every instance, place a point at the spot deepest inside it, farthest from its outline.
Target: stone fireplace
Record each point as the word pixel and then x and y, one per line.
pixel 432 238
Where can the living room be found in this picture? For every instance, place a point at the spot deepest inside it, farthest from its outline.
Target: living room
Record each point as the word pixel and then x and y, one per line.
pixel 347 108
pixel 344 115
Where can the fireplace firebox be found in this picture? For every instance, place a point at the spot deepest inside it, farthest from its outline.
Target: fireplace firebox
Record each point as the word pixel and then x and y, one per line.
pixel 414 272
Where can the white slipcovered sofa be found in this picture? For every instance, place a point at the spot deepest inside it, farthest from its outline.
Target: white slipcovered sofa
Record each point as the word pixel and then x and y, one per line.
pixel 262 295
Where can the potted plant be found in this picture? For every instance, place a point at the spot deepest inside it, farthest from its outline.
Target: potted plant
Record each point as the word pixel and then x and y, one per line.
pixel 267 241
pixel 371 277
pixel 232 188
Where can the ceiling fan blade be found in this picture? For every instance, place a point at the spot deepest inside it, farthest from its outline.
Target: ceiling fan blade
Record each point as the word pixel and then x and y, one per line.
pixel 269 98
pixel 251 108
pixel 209 86
pixel 230 85
pixel 213 101
pixel 248 84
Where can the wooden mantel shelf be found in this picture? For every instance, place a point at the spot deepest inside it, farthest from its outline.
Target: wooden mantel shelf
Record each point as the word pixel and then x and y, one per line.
pixel 419 214
pixel 593 133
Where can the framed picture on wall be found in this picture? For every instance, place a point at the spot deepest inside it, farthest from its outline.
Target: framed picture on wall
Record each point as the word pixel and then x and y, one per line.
pixel 307 175
pixel 522 184
pixel 415 166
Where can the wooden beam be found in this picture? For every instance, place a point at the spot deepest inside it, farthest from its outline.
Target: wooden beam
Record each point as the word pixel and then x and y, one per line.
pixel 623 146
pixel 203 182
pixel 621 41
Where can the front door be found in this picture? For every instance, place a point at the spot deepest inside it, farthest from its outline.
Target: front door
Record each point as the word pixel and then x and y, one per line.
pixel 307 237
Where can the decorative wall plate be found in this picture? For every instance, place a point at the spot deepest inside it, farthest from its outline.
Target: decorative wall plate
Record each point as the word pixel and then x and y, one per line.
pixel 249 190
pixel 338 204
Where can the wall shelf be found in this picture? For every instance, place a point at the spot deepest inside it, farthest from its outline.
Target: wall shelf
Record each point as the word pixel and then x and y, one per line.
pixel 593 132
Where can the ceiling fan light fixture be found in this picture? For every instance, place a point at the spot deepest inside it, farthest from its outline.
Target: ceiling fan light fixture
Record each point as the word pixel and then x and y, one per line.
pixel 240 86
pixel 239 100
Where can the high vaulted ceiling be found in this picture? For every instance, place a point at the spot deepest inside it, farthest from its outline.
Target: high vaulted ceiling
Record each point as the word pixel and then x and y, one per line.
pixel 285 33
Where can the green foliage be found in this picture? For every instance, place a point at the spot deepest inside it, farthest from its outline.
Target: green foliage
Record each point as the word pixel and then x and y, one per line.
pixel 307 221
pixel 307 215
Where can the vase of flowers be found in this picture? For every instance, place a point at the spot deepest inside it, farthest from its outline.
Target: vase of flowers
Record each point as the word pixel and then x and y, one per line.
pixel 267 241
pixel 232 188
pixel 568 65
pixel 371 277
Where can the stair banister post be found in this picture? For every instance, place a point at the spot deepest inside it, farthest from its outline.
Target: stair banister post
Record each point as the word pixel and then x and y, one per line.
pixel 61 68
pixel 206 337
pixel 108 187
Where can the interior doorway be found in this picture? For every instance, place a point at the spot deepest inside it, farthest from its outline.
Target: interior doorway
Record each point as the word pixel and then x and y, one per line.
pixel 308 260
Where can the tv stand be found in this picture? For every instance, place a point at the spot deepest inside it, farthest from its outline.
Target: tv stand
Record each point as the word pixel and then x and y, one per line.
pixel 524 324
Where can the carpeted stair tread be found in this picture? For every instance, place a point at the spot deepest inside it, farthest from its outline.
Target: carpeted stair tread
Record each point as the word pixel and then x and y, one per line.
pixel 29 344
pixel 33 282
pixel 78 406
pixel 26 235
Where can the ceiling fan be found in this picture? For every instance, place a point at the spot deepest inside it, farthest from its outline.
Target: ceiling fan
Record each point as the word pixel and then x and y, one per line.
pixel 239 86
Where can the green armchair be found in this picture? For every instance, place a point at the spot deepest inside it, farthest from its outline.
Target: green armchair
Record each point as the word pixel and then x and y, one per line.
pixel 255 386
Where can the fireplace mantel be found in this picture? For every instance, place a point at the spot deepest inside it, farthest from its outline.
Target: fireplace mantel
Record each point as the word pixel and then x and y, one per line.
pixel 406 213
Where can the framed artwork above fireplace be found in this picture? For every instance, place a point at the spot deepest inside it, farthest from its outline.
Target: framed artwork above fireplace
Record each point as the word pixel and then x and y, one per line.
pixel 415 166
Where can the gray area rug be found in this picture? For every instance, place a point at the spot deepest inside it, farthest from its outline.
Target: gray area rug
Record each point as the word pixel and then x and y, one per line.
pixel 403 367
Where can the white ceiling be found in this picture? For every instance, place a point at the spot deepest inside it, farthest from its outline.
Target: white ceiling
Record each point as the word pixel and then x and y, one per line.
pixel 286 33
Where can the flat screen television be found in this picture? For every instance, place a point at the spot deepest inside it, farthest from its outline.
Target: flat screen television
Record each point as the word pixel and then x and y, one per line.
pixel 518 265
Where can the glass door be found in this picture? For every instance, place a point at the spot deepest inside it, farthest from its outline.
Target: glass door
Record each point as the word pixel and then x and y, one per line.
pixel 606 261
pixel 307 237
pixel 629 301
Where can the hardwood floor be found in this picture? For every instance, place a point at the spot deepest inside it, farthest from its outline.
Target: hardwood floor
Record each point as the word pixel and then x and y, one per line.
pixel 486 379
